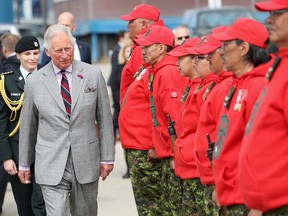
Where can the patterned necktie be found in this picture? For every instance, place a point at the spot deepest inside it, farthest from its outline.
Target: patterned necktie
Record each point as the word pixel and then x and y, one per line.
pixel 65 92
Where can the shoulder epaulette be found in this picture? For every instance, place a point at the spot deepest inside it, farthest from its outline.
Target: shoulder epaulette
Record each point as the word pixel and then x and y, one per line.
pixel 5 73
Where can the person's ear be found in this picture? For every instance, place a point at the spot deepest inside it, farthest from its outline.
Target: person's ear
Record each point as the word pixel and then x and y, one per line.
pixel 73 28
pixel 144 24
pixel 47 52
pixel 244 48
pixel 162 48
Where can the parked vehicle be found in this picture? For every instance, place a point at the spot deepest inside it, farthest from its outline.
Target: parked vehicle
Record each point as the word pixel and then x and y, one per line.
pixel 200 21
pixel 9 28
pixel 22 29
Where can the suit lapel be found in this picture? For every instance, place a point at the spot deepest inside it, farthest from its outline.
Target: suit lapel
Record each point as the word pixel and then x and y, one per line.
pixel 50 81
pixel 19 80
pixel 77 82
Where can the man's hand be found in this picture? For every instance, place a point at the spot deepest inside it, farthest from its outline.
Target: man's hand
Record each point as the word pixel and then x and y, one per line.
pixel 10 167
pixel 151 154
pixel 24 176
pixel 105 170
pixel 172 164
pixel 215 199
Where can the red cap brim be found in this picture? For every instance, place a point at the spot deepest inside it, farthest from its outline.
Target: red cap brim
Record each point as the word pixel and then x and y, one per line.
pixel 269 6
pixel 127 17
pixel 192 50
pixel 223 36
pixel 178 53
pixel 207 49
pixel 143 42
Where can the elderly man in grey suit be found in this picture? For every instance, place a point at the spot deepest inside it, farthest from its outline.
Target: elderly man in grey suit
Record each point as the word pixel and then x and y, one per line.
pixel 64 101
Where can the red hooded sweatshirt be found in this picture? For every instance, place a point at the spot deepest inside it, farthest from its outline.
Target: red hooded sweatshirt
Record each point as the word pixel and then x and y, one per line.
pixel 230 132
pixel 133 65
pixel 135 117
pixel 168 87
pixel 263 159
pixel 185 166
pixel 208 120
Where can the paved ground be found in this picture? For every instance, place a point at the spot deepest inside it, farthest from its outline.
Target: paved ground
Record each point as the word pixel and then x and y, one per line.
pixel 115 194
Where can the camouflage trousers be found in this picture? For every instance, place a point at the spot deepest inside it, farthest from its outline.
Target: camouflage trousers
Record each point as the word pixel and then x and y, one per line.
pixel 282 211
pixel 234 210
pixel 146 182
pixel 197 199
pixel 171 187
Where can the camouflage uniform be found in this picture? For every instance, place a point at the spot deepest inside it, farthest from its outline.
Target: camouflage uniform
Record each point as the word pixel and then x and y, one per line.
pixel 197 199
pixel 146 182
pixel 171 187
pixel 282 211
pixel 209 206
pixel 235 210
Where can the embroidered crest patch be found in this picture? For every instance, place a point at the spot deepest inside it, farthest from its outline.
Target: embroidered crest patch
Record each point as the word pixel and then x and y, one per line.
pixel 221 135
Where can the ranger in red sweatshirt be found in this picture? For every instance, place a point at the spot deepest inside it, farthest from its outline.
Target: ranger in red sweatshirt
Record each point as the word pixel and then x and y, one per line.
pixel 140 19
pixel 243 52
pixel 210 111
pixel 135 118
pixel 263 157
pixel 185 166
pixel 165 88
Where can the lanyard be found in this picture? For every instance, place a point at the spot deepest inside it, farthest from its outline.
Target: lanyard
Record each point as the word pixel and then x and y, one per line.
pixel 152 101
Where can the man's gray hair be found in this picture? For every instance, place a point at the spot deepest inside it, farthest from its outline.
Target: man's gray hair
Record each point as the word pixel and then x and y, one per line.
pixel 53 31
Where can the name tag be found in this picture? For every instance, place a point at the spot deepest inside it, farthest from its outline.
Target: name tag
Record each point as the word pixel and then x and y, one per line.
pixel 15 94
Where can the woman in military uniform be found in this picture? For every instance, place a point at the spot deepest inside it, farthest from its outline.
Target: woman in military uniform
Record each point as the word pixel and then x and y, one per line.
pixel 11 99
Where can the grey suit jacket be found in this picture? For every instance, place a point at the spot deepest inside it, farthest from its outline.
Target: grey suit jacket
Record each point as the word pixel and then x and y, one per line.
pixel 46 130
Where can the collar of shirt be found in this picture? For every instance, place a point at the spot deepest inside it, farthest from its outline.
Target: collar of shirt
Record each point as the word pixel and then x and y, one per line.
pixel 77 55
pixel 12 54
pixel 25 73
pixel 59 76
pixel 57 70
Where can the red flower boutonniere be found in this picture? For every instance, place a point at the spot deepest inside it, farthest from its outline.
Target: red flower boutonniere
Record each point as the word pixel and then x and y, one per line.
pixel 80 76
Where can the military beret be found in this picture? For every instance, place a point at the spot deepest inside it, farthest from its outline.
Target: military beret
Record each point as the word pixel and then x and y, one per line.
pixel 27 43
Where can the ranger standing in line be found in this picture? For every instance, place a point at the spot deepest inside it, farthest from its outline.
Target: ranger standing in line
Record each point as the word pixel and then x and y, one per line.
pixel 165 86
pixel 263 158
pixel 244 54
pixel 210 111
pixel 139 20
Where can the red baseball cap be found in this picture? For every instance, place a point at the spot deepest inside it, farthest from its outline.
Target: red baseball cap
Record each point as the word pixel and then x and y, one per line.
pixel 144 11
pixel 195 50
pixel 271 5
pixel 181 49
pixel 245 29
pixel 156 34
pixel 212 43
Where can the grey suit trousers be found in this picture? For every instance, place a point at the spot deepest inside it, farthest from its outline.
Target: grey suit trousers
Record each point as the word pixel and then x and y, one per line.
pixel 69 196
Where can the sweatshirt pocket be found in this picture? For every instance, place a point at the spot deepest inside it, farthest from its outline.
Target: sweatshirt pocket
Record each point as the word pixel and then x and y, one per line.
pixel 159 143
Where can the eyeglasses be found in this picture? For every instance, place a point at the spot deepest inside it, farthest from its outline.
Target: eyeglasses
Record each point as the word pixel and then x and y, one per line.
pixel 200 57
pixel 277 13
pixel 183 37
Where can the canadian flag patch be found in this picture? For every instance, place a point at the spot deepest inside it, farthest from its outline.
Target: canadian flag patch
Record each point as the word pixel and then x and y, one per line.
pixel 173 95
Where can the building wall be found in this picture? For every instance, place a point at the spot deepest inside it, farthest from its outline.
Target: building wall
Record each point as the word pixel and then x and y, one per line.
pixel 95 9
pixel 89 12
pixel 116 8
